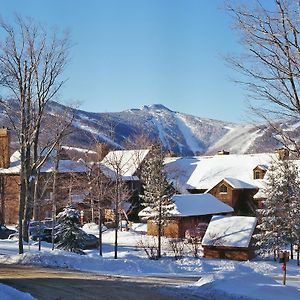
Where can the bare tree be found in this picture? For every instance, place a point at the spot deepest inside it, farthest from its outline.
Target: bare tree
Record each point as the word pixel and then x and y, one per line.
pixel 31 64
pixel 118 166
pixel 270 68
pixel 99 186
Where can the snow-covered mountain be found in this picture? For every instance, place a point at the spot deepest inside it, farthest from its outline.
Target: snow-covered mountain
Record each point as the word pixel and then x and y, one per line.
pixel 180 133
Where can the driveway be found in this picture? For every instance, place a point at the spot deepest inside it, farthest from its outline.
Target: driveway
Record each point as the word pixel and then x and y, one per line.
pixel 58 284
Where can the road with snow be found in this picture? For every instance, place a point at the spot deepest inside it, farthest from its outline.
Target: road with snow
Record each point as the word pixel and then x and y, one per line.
pixel 45 283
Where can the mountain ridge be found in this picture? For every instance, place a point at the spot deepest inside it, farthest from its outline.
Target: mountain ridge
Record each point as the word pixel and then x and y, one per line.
pixel 180 133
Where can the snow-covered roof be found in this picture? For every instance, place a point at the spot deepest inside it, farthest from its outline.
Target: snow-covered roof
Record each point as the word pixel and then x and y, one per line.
pixel 235 231
pixel 64 166
pixel 262 167
pixel 123 163
pixel 179 170
pixel 238 184
pixel 198 205
pixel 211 171
pixel 186 205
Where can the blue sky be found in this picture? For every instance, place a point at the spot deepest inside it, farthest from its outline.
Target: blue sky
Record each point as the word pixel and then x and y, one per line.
pixel 128 53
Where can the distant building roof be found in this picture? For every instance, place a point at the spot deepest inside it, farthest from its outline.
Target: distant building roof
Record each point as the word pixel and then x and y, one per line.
pixel 64 166
pixel 235 231
pixel 123 163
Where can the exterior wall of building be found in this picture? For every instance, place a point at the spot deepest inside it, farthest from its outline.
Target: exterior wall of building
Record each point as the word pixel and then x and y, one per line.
pixel 10 198
pixel 241 200
pixel 241 254
pixel 229 198
pixel 169 230
pixel 10 195
pixel 177 227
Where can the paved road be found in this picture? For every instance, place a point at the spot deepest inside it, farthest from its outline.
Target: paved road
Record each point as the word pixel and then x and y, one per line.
pixel 57 284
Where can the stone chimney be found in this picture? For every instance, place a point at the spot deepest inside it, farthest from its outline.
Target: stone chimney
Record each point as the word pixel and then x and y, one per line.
pixel 223 152
pixel 4 148
pixel 282 153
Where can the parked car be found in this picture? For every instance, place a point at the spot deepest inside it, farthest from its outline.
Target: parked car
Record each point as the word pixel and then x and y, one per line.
pixel 34 227
pixel 5 232
pixel 46 235
pixel 89 241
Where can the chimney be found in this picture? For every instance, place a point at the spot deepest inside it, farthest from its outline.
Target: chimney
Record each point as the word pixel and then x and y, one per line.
pixel 4 148
pixel 282 153
pixel 223 152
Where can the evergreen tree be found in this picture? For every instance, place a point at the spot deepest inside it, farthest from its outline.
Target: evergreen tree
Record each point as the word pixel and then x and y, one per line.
pixel 69 233
pixel 157 190
pixel 279 216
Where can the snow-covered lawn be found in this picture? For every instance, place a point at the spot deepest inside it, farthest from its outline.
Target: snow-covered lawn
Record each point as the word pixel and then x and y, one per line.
pixel 219 279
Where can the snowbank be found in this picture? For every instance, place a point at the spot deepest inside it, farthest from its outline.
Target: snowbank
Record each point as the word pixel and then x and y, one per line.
pixel 9 293
pixel 219 279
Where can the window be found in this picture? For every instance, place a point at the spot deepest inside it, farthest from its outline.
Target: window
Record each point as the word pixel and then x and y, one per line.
pixel 223 189
pixel 257 175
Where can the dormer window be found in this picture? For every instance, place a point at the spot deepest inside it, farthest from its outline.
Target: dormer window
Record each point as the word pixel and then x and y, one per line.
pixel 259 172
pixel 223 189
pixel 257 175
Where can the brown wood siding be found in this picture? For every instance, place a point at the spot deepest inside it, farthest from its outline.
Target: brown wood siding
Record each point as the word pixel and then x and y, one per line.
pixel 241 254
pixel 10 194
pixel 229 198
pixel 11 199
pixel 260 172
pixel 176 228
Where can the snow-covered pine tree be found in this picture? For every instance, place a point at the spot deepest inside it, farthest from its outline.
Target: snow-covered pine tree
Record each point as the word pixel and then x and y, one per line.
pixel 69 233
pixel 278 218
pixel 291 203
pixel 157 190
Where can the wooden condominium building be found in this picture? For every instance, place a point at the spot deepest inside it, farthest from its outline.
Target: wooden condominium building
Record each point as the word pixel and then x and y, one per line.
pixel 70 180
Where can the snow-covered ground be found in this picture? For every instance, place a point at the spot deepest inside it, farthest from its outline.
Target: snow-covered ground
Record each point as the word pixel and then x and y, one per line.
pixel 219 279
pixel 9 293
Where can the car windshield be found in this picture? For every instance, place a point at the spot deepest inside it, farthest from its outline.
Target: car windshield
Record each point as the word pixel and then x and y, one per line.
pixel 3 227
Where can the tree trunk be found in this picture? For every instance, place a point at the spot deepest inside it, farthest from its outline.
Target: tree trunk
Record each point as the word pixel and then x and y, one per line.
pixel 159 230
pixel 298 251
pixel 116 230
pixel 292 252
pixel 92 210
pixel 100 231
pixel 53 195
pixel 21 212
pixel 117 217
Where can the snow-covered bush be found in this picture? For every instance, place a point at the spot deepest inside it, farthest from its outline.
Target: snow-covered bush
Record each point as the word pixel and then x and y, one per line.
pixel 69 234
pixel 177 246
pixel 150 247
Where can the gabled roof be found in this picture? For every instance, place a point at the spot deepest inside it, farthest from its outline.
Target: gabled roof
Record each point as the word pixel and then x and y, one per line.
pixel 235 231
pixel 123 163
pixel 262 167
pixel 239 184
pixel 186 205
